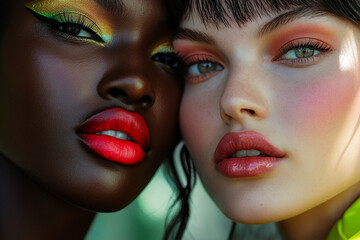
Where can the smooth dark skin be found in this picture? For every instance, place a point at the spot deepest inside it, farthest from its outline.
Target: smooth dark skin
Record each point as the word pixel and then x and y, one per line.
pixel 51 185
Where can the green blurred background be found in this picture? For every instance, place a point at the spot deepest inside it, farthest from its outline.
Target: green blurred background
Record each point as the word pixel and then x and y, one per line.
pixel 144 219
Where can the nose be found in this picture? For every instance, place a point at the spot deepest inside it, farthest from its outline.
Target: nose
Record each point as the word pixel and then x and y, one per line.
pixel 131 90
pixel 243 98
pixel 129 82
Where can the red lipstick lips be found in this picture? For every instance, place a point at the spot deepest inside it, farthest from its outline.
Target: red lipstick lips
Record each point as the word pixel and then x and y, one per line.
pixel 117 135
pixel 246 154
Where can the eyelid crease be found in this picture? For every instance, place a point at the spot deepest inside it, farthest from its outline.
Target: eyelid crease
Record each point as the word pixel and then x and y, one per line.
pixel 311 42
pixel 198 57
pixel 190 60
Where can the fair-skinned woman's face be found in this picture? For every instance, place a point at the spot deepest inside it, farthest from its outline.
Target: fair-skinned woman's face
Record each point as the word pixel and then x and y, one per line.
pixel 88 106
pixel 270 113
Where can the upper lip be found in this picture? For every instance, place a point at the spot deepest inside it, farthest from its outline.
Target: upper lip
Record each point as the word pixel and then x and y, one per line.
pixel 235 141
pixel 118 119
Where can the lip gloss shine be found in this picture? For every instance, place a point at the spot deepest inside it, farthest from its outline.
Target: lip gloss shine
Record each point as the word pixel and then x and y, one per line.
pixel 116 135
pixel 261 161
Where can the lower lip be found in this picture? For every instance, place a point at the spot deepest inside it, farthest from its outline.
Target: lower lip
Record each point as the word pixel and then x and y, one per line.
pixel 111 148
pixel 247 166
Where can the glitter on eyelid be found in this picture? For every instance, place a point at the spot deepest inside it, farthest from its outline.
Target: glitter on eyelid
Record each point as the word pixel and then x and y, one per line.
pixel 163 48
pixel 106 38
pixel 88 9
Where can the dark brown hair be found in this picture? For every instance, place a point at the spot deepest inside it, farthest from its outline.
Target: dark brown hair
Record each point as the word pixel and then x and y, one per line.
pixel 226 12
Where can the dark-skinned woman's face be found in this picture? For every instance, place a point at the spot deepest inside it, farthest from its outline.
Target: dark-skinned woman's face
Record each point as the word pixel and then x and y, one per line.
pixel 67 63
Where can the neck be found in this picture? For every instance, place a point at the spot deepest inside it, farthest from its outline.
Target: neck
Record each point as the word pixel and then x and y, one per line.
pixel 27 211
pixel 316 223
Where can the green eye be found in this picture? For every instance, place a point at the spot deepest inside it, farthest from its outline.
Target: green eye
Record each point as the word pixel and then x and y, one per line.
pixel 305 52
pixel 206 67
pixel 203 68
pixel 301 52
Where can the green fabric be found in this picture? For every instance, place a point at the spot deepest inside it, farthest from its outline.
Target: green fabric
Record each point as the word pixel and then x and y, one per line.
pixel 347 228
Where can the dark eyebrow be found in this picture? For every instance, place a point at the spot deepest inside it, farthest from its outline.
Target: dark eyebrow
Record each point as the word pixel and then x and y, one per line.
pixel 287 17
pixel 188 34
pixel 273 24
pixel 113 6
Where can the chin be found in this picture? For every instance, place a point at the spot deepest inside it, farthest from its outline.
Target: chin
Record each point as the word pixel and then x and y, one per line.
pixel 104 200
pixel 100 205
pixel 255 213
pixel 99 189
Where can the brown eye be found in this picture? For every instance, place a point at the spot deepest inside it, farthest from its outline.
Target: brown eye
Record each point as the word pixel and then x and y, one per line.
pixel 74 30
pixel 168 58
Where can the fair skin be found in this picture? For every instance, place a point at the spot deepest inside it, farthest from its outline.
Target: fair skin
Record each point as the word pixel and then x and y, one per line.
pixel 307 105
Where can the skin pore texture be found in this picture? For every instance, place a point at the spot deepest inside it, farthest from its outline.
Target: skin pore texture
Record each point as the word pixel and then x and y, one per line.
pixel 297 85
pixel 53 77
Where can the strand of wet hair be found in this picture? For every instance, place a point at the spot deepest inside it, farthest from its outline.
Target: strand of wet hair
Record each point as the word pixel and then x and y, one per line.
pixel 232 231
pixel 175 227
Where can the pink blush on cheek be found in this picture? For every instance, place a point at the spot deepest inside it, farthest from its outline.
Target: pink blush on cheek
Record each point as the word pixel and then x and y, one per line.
pixel 322 105
pixel 199 120
pixel 193 122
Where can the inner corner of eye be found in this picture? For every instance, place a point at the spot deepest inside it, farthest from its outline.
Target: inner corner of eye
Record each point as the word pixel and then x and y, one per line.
pixel 105 38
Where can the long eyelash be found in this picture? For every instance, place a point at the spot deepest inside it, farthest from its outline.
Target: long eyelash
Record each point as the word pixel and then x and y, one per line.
pixel 179 59
pixel 66 18
pixel 316 45
pixel 171 59
pixel 188 61
pixel 182 63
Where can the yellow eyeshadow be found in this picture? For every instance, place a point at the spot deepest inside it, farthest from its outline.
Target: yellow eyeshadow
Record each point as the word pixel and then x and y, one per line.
pixel 163 48
pixel 89 12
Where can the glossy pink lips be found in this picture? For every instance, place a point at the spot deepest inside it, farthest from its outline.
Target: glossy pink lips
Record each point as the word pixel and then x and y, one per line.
pixel 127 151
pixel 247 166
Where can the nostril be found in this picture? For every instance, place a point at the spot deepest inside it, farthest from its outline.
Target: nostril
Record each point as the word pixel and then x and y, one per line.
pixel 145 98
pixel 117 93
pixel 146 101
pixel 252 112
pixel 249 111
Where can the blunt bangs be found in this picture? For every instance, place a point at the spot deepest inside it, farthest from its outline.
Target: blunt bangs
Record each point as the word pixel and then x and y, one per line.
pixel 227 12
